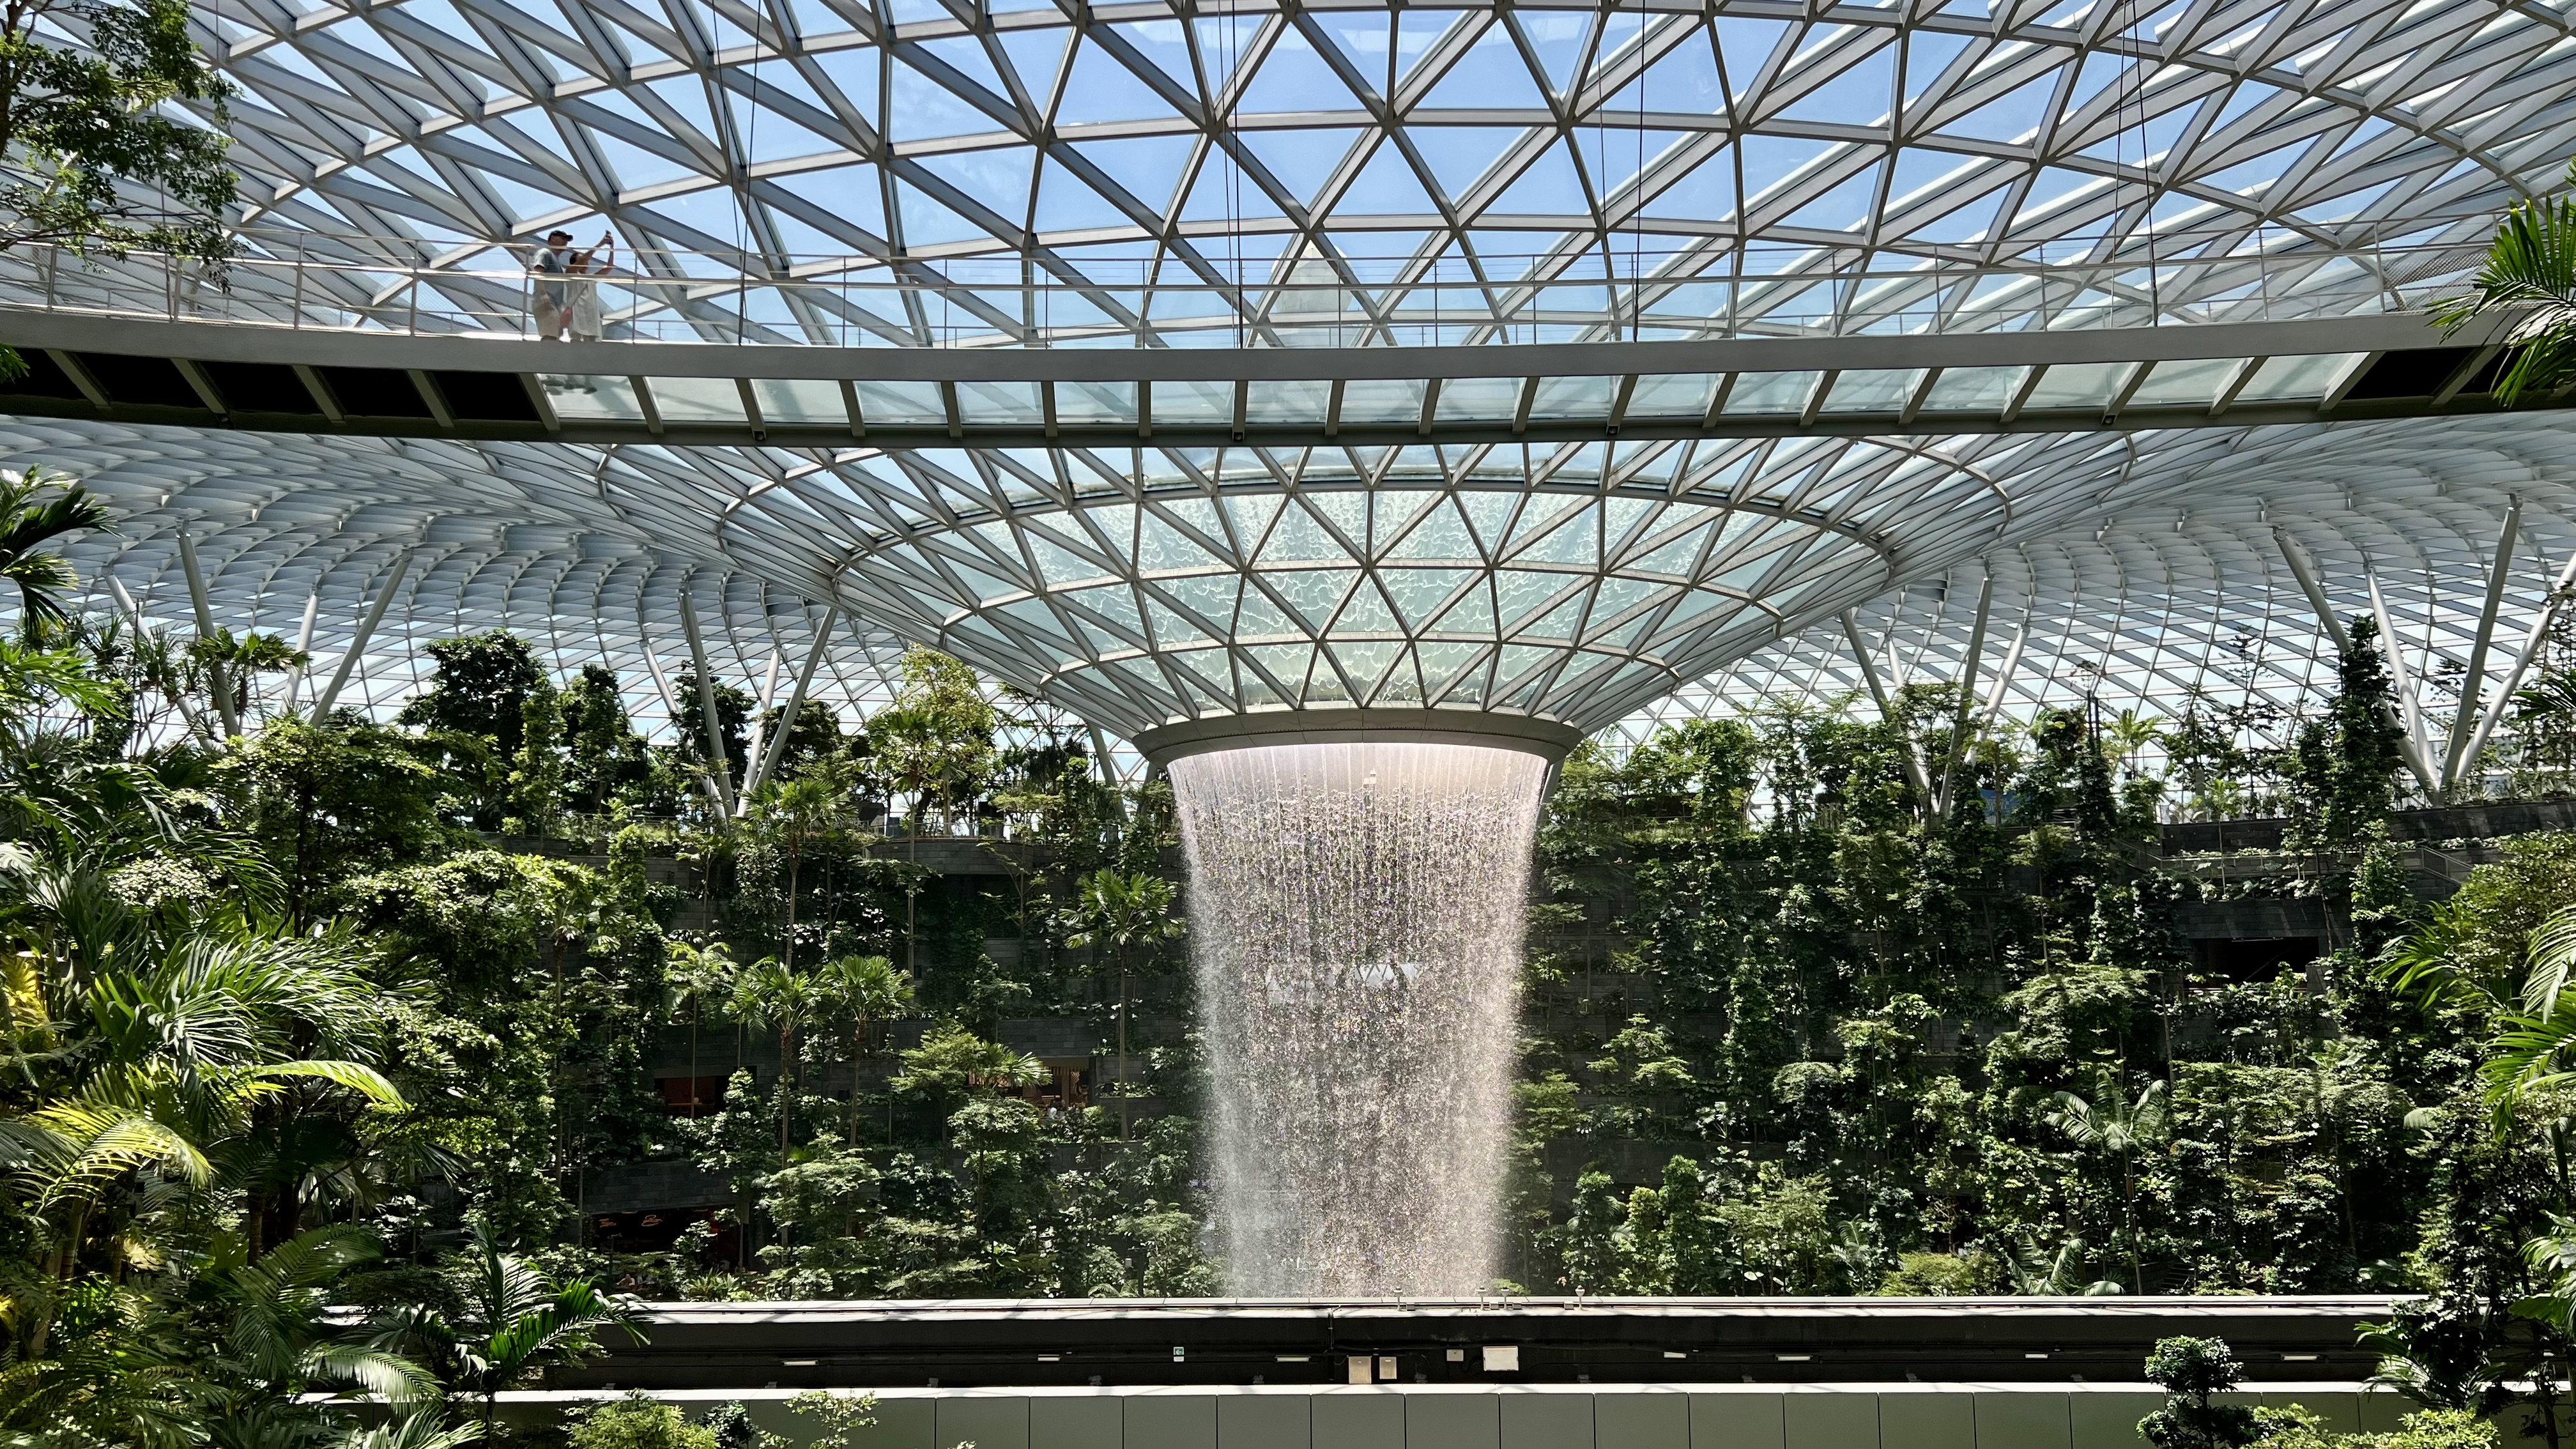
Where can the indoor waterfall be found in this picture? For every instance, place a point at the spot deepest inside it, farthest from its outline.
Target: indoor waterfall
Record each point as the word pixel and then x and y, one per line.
pixel 1356 912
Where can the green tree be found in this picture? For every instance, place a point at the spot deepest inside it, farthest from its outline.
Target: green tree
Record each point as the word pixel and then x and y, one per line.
pixel 2530 269
pixel 2194 1371
pixel 504 1322
pixel 2344 765
pixel 1124 911
pixel 96 158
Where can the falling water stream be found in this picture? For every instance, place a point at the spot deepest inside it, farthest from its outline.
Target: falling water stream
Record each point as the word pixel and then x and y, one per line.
pixel 1356 911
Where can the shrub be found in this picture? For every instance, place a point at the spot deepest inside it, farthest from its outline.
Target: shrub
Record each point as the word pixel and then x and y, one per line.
pixel 639 1421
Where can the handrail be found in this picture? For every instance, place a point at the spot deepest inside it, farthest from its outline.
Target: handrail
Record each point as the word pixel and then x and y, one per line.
pixel 1760 291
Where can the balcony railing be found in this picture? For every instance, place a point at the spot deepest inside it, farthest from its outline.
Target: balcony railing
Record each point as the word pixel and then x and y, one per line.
pixel 304 281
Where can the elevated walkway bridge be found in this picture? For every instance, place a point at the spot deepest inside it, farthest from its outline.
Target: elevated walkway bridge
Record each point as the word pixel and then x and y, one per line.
pixel 925 358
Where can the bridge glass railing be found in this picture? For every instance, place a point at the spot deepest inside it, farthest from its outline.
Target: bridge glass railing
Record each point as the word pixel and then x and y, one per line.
pixel 304 281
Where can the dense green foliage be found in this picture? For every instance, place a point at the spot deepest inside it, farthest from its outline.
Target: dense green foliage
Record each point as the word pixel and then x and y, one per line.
pixel 358 1014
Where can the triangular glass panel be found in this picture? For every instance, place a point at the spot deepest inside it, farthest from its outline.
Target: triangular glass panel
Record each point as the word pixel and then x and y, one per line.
pixel 1847 207
pixel 1298 538
pixel 1209 596
pixel 1489 512
pixel 1472 614
pixel 1067 203
pixel 1171 628
pixel 1250 516
pixel 998 178
pixel 1294 80
pixel 1771 160
pixel 1284 662
pixel 1442 534
pixel 1102 88
pixel 1224 191
pixel 928 222
pixel 1418 593
pixel 1161 546
pixel 1443 663
pixel 965 54
pixel 1402 684
pixel 1036 53
pixel 1301 161
pixel 1459 156
pixel 1748 46
pixel 1163 43
pixel 1490 76
pixel 1683 80
pixel 1366 613
pixel 1259 617
pixel 1556 37
pixel 1860 96
pixel 2012 116
pixel 1521 593
pixel 1147 167
pixel 1366 663
pixel 1549 187
pixel 1561 622
pixel 1312 593
pixel 922 109
pixel 1387 186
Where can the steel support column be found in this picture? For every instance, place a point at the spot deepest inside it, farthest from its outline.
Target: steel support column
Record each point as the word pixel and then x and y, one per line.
pixel 1967 697
pixel 1915 770
pixel 358 642
pixel 719 767
pixel 2302 569
pixel 220 677
pixel 2523 657
pixel 2473 684
pixel 2419 754
pixel 304 649
pixel 767 763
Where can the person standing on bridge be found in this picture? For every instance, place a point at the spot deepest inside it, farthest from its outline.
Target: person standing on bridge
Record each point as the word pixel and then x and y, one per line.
pixel 587 267
pixel 552 264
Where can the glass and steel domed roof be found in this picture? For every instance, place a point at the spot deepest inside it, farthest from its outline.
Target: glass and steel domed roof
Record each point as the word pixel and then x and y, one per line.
pixel 1148 176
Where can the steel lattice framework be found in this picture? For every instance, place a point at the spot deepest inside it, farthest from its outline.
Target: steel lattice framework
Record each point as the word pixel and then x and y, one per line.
pixel 966 162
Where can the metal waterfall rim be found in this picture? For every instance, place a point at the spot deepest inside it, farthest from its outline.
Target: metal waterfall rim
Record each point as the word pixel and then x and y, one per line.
pixel 1550 740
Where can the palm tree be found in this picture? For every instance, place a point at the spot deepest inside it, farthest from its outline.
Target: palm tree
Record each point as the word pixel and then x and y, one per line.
pixel 35 510
pixel 512 1322
pixel 2530 264
pixel 278 1348
pixel 2120 1128
pixel 1124 911
pixel 694 978
pixel 793 817
pixel 771 994
pixel 866 989
pixel 2053 1275
pixel 2129 734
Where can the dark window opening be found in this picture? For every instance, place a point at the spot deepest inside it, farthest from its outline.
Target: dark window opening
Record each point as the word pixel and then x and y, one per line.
pixel 690 1096
pixel 2256 959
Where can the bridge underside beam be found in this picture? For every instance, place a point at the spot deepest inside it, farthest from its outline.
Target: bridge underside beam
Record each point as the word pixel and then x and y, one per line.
pixel 298 381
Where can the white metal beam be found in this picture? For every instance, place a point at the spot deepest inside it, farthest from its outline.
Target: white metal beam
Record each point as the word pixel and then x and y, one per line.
pixel 2419 754
pixel 2531 642
pixel 2473 684
pixel 1915 771
pixel 1943 803
pixel 2304 570
pixel 358 642
pixel 719 768
pixel 767 764
pixel 303 647
pixel 220 677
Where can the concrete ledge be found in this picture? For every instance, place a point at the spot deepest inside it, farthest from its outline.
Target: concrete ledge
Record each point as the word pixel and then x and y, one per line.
pixel 1508 1416
pixel 1527 734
